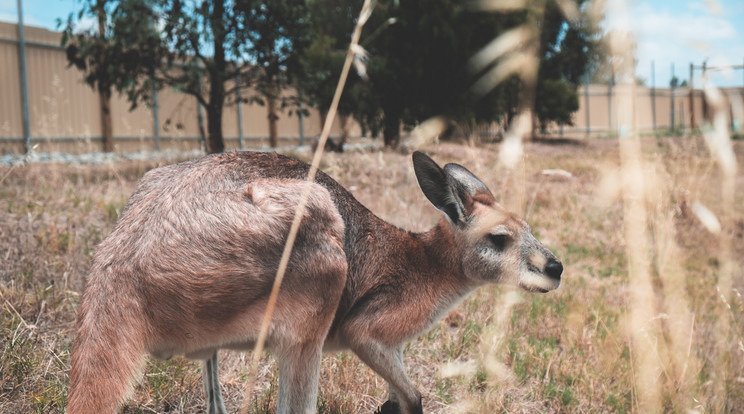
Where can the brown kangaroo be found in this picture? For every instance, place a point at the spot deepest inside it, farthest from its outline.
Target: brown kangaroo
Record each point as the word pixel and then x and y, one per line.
pixel 190 264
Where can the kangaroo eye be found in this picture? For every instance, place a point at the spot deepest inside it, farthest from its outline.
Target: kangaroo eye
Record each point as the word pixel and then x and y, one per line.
pixel 499 241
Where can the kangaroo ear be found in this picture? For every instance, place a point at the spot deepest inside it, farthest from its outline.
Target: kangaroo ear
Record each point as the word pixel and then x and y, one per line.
pixel 467 184
pixel 437 187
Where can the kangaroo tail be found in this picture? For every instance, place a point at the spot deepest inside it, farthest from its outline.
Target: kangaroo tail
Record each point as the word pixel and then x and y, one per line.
pixel 107 354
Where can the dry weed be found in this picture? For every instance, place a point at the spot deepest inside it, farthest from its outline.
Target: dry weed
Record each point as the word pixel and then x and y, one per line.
pixel 499 351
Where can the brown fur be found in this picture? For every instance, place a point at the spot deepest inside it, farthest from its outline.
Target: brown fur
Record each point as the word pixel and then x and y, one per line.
pixel 189 266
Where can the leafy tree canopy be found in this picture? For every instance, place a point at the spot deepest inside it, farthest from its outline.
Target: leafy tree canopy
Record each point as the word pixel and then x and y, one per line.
pixel 417 67
pixel 198 47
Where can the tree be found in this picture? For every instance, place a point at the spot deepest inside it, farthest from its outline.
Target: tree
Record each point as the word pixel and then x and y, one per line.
pixel 199 48
pixel 566 52
pixel 418 65
pixel 330 23
pixel 95 52
pixel 276 31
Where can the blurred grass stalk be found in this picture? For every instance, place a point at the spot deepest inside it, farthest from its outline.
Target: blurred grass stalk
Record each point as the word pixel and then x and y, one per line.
pixel 514 52
pixel 718 138
pixel 643 327
pixel 659 324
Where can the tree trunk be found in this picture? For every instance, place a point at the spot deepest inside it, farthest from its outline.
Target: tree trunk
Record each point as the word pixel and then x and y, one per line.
pixel 391 129
pixel 104 87
pixel 215 143
pixel 344 120
pixel 216 71
pixel 106 128
pixel 273 117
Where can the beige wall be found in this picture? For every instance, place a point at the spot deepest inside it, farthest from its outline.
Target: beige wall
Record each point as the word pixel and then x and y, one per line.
pixel 65 113
pixel 601 100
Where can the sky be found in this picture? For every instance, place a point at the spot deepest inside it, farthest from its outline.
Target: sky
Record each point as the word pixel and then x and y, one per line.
pixel 667 32
pixel 680 32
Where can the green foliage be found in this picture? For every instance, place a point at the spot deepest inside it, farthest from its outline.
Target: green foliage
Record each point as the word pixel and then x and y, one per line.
pixel 417 63
pixel 417 66
pixel 567 50
pixel 675 83
pixel 330 23
pixel 118 52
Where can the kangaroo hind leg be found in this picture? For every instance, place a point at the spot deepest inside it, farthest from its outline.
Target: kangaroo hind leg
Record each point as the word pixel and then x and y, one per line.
pixel 299 371
pixel 210 375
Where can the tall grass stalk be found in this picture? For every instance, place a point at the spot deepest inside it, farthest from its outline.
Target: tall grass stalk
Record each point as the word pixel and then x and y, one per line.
pixel 718 138
pixel 641 319
pixel 300 209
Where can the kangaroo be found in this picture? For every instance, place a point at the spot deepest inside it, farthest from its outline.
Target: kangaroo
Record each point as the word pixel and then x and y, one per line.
pixel 190 263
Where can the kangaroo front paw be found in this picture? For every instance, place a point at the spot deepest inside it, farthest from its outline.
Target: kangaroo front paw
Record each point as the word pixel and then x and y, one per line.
pixel 389 407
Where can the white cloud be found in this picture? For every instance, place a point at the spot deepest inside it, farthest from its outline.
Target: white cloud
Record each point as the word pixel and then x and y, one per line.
pixel 682 34
pixel 86 23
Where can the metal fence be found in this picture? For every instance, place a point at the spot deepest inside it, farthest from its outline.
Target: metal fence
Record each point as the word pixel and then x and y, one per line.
pixel 64 113
pixel 57 111
pixel 656 109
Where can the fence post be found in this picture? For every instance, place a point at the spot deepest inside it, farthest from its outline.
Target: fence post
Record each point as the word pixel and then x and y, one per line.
pixel 155 115
pixel 586 103
pixel 24 79
pixel 155 118
pixel 653 94
pixel 609 103
pixel 671 95
pixel 706 118
pixel 692 99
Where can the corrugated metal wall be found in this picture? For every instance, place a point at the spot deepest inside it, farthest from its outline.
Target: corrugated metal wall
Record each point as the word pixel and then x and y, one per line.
pixel 10 89
pixel 602 100
pixel 63 109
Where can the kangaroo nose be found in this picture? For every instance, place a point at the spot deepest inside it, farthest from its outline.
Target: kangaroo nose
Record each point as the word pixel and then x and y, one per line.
pixel 554 269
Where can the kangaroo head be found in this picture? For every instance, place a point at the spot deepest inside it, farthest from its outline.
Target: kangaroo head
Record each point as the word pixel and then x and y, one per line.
pixel 497 246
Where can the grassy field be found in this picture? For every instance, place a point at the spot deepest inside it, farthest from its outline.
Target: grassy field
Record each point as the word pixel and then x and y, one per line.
pixel 572 350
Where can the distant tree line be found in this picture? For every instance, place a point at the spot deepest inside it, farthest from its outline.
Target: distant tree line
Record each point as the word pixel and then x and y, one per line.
pixel 289 52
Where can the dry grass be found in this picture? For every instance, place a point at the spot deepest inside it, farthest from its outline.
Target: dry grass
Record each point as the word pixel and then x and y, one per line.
pixel 504 351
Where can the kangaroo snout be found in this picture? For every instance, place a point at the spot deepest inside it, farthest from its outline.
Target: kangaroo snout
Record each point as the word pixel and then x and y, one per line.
pixel 553 269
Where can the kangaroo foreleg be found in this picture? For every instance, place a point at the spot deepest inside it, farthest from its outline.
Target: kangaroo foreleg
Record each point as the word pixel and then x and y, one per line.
pixel 210 375
pixel 392 396
pixel 388 363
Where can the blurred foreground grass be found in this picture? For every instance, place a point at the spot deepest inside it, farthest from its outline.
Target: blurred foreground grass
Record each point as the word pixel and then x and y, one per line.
pixel 500 351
